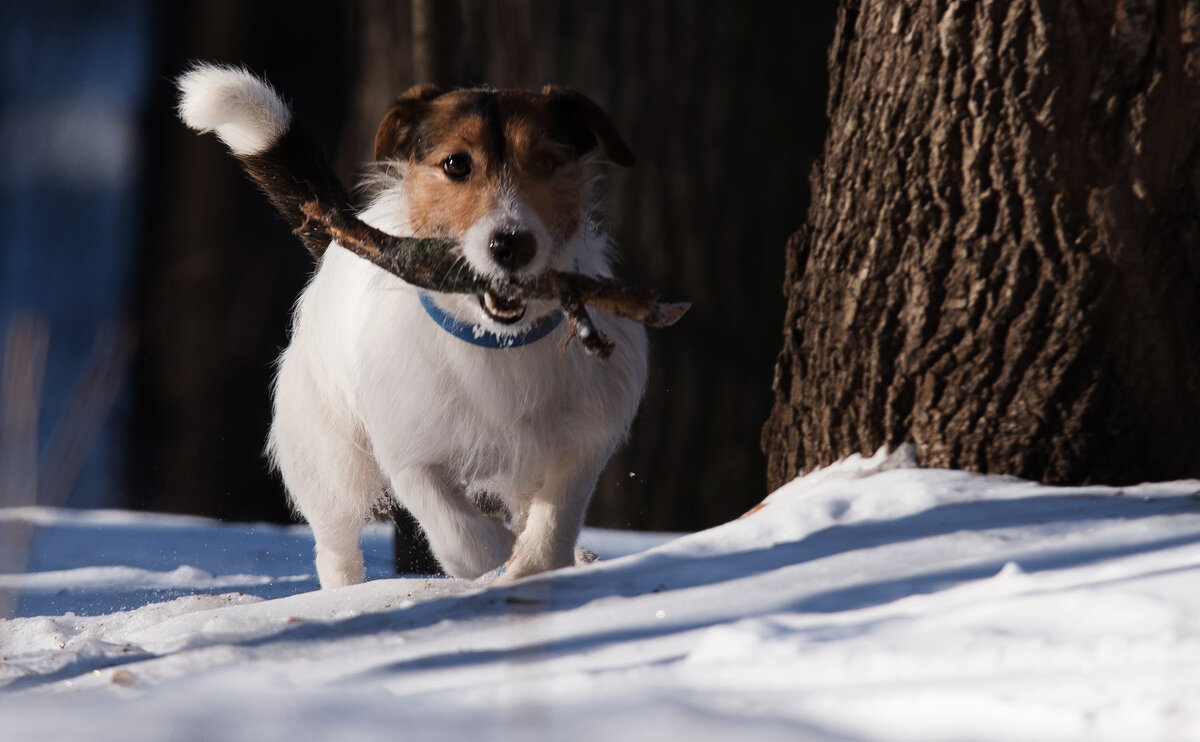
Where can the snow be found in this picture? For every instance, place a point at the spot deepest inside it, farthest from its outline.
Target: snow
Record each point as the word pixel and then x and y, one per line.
pixel 870 600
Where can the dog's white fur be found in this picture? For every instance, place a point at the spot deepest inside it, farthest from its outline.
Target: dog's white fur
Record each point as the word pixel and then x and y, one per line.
pixel 244 111
pixel 373 396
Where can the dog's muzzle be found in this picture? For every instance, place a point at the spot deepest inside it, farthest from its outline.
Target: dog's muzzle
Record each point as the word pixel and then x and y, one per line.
pixel 511 250
pixel 504 311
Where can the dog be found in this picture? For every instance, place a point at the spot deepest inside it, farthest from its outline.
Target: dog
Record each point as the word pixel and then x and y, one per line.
pixel 388 390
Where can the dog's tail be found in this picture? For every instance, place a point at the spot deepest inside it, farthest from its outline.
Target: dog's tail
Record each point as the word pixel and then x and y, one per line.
pixel 251 118
pixel 243 110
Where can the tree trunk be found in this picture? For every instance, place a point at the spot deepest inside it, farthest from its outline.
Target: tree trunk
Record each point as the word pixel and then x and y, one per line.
pixel 1002 256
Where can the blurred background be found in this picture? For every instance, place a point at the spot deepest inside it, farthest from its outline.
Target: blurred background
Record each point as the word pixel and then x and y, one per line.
pixel 146 286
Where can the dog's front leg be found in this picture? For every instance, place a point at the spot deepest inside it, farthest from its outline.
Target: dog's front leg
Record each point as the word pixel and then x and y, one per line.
pixel 466 542
pixel 553 520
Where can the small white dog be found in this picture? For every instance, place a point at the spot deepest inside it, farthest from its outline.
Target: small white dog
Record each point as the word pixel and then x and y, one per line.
pixel 387 389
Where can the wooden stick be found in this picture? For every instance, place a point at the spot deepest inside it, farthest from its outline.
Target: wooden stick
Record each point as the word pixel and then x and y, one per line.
pixel 438 266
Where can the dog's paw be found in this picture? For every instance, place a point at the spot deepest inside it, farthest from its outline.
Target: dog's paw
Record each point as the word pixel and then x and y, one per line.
pixel 526 563
pixel 484 547
pixel 339 569
pixel 241 108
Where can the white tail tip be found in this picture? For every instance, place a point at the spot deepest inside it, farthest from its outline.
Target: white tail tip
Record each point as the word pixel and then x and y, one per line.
pixel 241 108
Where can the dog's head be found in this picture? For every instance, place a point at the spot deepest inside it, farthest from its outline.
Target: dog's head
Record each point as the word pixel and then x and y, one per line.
pixel 499 171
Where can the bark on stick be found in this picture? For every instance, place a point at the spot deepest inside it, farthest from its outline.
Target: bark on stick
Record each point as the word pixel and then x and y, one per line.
pixel 438 266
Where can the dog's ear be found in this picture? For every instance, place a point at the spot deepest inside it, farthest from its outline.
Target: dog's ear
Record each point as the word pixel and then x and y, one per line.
pixel 395 135
pixel 582 122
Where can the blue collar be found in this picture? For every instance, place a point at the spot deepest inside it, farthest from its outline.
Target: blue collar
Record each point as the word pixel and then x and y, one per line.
pixel 476 335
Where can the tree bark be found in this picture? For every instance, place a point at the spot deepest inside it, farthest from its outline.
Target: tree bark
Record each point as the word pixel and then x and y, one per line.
pixel 1001 259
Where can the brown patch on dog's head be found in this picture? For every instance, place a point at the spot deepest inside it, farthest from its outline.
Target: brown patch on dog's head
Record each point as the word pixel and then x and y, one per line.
pixel 581 120
pixel 396 130
pixel 467 150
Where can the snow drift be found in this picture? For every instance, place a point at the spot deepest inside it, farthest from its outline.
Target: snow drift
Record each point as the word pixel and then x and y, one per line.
pixel 857 603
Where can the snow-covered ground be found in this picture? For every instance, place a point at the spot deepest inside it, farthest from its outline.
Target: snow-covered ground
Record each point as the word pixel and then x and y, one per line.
pixel 857 603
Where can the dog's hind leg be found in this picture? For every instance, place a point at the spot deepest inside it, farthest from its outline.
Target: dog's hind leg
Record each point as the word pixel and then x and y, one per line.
pixel 467 542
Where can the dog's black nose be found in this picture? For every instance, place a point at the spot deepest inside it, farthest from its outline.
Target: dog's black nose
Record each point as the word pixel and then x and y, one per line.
pixel 512 250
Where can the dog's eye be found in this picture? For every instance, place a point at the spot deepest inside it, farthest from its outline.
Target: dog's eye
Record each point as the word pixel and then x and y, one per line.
pixel 544 165
pixel 457 166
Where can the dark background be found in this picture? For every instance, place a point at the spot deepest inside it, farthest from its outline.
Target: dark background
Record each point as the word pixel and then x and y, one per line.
pixel 159 287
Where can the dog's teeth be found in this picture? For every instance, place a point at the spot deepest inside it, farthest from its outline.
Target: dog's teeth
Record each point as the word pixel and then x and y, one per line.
pixel 507 311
